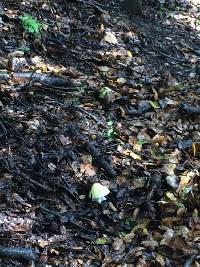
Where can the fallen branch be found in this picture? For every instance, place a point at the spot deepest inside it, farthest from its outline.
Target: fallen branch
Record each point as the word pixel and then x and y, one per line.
pixel 190 110
pixel 18 253
pixel 45 79
pixel 95 153
pixel 67 218
pixel 191 49
pixel 184 108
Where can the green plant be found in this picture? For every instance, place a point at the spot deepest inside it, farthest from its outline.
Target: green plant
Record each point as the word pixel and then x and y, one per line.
pixel 198 22
pixel 110 131
pixel 140 142
pixel 101 241
pixel 104 91
pixel 24 49
pixel 31 25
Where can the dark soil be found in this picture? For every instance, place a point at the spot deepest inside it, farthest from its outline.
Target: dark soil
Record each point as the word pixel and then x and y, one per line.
pixel 141 138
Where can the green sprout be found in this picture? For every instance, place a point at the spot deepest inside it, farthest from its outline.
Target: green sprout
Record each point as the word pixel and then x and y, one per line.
pixel 110 131
pixel 31 25
pixel 104 91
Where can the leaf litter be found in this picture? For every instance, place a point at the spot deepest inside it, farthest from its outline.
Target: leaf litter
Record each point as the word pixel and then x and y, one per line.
pixel 90 96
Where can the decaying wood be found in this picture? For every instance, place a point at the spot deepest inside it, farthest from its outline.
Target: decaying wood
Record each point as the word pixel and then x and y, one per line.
pixel 46 79
pixel 19 253
pixel 97 156
pixel 190 110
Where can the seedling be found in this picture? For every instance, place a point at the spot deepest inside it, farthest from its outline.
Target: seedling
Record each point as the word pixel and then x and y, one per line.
pixel 104 91
pixel 31 25
pixel 101 241
pixel 110 131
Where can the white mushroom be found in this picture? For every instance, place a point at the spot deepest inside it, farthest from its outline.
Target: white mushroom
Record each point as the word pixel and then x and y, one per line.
pixel 98 192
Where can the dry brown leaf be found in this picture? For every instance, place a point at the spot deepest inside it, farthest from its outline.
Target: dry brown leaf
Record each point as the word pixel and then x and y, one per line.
pixel 129 238
pixel 127 152
pixel 43 243
pixel 86 158
pixel 169 168
pixel 160 260
pixel 118 244
pixel 160 139
pixel 88 169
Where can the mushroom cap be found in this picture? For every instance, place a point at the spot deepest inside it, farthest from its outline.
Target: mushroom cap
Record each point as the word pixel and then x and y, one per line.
pixel 98 191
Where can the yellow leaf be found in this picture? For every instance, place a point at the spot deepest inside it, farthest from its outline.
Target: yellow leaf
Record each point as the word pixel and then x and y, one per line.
pixel 171 196
pixel 132 154
pixel 196 148
pixel 129 54
pixel 129 153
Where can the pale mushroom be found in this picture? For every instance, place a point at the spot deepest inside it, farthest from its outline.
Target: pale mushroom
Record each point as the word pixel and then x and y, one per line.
pixel 98 192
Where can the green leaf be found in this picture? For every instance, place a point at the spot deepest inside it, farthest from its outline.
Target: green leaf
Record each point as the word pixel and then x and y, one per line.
pixel 140 142
pixel 104 91
pixel 154 104
pixel 171 197
pixel 109 133
pixel 31 25
pixel 109 123
pixel 180 205
pixel 101 241
pixel 24 49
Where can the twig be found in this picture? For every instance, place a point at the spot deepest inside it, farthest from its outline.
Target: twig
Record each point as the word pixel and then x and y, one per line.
pixel 25 177
pixel 96 154
pixel 172 58
pixel 197 52
pixel 83 111
pixel 3 130
pixel 46 79
pixel 173 112
pixel 66 219
pixel 54 16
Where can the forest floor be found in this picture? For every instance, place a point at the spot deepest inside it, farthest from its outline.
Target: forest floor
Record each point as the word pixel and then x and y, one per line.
pixel 91 95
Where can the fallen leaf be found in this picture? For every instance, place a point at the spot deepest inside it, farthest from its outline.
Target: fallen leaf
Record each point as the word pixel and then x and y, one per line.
pixel 196 148
pixel 121 80
pixel 154 104
pixel 129 238
pixel 169 168
pixel 118 244
pixel 88 169
pixel 152 244
pixel 101 241
pixel 110 38
pixel 86 158
pixel 129 153
pixel 173 181
pixel 160 139
pixel 103 68
pixel 171 197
